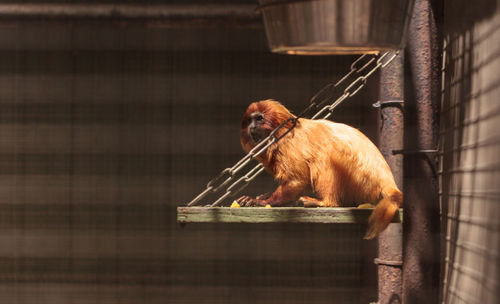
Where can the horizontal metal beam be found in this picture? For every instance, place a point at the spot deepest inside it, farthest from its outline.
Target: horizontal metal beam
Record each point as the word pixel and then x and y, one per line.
pixel 210 14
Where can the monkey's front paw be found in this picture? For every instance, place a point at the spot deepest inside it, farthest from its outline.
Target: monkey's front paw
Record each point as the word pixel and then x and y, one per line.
pixel 247 201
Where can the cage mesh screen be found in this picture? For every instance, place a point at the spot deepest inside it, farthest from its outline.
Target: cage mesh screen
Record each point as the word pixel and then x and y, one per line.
pixel 105 129
pixel 470 150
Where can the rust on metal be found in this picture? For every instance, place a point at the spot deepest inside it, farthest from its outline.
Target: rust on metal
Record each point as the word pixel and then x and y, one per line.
pixel 390 255
pixel 421 205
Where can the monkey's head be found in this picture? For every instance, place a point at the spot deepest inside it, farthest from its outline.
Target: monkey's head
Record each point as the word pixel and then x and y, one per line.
pixel 259 120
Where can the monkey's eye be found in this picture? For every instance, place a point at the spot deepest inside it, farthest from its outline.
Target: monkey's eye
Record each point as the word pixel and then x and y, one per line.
pixel 259 117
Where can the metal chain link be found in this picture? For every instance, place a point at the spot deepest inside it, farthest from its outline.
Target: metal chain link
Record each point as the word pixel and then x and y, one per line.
pixel 228 174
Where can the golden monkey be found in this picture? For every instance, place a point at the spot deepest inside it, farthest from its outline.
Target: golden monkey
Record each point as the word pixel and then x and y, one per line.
pixel 335 161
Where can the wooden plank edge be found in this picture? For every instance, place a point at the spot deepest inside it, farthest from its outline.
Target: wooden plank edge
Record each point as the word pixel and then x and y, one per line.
pixel 256 215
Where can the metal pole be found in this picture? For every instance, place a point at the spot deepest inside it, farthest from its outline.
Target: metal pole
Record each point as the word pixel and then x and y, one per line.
pixel 390 248
pixel 421 205
pixel 161 14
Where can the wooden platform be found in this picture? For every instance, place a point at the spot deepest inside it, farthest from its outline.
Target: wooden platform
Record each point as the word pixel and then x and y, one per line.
pixel 276 215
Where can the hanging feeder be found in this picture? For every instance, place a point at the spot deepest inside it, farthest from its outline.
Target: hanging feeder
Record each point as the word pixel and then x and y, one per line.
pixel 321 27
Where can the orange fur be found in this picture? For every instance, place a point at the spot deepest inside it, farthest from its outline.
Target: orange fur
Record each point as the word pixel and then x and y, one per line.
pixel 337 162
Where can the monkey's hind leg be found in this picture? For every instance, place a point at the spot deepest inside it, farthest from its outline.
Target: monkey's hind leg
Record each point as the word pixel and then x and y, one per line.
pixel 365 206
pixel 309 202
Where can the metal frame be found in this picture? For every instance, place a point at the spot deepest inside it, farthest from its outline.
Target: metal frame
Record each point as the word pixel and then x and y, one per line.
pixel 421 227
pixel 390 241
pixel 158 14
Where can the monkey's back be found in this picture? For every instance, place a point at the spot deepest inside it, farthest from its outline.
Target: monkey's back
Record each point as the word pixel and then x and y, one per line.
pixel 339 162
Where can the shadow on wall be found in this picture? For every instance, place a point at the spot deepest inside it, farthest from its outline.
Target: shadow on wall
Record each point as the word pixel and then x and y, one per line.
pixel 468 165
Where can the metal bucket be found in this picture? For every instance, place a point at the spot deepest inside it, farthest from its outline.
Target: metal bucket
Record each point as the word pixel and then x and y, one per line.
pixel 318 27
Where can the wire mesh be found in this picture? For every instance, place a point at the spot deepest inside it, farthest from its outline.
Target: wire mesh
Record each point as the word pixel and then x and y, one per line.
pixel 469 163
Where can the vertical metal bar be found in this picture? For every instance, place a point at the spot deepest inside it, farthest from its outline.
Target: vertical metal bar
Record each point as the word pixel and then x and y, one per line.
pixel 421 204
pixel 390 241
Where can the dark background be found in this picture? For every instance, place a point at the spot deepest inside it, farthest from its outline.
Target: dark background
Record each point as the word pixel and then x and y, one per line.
pixel 105 128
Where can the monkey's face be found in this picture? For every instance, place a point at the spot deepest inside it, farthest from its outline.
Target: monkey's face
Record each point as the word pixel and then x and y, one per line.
pixel 259 120
pixel 256 127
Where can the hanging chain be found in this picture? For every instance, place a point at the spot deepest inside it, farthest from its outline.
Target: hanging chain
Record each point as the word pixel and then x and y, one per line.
pixel 227 175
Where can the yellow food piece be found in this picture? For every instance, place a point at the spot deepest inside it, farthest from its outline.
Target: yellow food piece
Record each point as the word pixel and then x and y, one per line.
pixel 267 206
pixel 366 206
pixel 235 205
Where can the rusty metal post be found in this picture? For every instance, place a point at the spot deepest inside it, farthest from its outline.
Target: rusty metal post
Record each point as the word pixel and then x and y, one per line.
pixel 421 203
pixel 390 242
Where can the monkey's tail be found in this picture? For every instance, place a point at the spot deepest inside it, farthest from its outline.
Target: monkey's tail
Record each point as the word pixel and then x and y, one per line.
pixel 384 212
